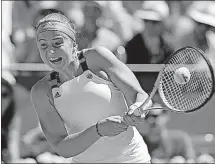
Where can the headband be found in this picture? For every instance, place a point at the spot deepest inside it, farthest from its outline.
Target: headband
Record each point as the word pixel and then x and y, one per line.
pixel 56 26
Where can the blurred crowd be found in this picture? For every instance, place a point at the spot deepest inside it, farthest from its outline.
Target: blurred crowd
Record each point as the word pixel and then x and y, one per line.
pixel 137 32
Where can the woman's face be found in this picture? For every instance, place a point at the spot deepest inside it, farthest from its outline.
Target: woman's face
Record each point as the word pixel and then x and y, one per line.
pixel 6 98
pixel 56 49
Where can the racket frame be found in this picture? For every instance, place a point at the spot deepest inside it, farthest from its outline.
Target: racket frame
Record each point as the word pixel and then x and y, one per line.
pixel 158 83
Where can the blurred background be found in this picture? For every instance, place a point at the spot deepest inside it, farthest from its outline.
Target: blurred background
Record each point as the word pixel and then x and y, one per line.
pixel 137 32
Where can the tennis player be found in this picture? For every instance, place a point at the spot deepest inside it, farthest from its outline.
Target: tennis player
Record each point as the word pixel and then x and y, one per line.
pixel 85 105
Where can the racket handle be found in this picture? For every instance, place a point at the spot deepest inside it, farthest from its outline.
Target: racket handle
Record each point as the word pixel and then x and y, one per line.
pixel 143 108
pixel 138 112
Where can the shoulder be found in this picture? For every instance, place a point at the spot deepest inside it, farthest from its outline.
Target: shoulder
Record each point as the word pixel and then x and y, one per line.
pixel 41 87
pixel 99 57
pixel 97 51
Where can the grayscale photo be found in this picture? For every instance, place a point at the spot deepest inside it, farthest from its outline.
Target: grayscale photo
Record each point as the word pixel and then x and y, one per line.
pixel 107 81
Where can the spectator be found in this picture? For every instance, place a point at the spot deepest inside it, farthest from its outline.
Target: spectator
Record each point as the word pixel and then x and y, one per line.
pixel 178 21
pixel 93 33
pixel 205 158
pixel 10 123
pixel 118 16
pixel 163 143
pixel 92 11
pixel 177 159
pixel 7 46
pixel 202 14
pixel 211 47
pixel 150 46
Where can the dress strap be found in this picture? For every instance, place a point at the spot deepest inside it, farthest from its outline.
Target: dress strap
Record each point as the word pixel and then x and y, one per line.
pixel 82 60
pixel 55 76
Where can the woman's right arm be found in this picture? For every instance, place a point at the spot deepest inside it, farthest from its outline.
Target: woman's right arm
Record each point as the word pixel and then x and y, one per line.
pixel 54 128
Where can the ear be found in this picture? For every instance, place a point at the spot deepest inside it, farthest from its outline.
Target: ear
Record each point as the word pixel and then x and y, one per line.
pixel 75 47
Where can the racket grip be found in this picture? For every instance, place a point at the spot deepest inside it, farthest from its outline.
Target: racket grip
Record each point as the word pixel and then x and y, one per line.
pixel 143 108
pixel 138 112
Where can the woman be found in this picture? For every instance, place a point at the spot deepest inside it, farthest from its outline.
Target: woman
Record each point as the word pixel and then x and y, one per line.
pixel 10 124
pixel 81 104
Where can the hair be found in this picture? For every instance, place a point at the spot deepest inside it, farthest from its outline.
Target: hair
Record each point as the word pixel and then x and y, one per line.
pixel 60 18
pixel 44 12
pixel 8 115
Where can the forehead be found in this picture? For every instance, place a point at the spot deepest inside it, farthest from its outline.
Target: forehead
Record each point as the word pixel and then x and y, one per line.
pixel 47 35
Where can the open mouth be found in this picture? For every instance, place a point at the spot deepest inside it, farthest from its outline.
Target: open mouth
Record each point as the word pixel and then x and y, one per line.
pixel 55 60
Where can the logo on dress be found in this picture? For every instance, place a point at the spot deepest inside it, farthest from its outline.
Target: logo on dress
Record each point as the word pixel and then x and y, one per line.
pixel 89 76
pixel 57 94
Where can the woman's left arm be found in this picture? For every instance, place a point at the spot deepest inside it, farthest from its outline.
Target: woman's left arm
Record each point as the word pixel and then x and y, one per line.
pixel 119 74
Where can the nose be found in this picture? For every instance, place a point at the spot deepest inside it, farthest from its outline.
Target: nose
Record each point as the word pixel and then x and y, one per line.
pixel 51 51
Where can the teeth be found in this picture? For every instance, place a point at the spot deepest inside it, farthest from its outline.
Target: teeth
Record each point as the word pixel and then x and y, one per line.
pixel 53 58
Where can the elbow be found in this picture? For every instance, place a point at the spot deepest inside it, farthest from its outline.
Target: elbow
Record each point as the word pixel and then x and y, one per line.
pixel 66 152
pixel 64 155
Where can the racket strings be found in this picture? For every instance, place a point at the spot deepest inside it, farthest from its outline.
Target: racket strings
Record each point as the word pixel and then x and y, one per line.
pixel 191 95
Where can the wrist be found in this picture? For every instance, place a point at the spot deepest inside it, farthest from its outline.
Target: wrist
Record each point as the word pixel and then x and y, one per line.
pixel 97 130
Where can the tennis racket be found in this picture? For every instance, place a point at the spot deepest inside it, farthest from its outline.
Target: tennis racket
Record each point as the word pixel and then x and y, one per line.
pixel 197 87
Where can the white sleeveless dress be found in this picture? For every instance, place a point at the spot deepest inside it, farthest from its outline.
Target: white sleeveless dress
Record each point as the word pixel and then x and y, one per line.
pixel 85 100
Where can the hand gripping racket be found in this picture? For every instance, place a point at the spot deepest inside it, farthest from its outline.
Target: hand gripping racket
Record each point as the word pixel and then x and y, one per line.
pixel 196 90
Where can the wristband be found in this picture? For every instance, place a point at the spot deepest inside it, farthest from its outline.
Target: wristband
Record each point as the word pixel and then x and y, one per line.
pixel 97 130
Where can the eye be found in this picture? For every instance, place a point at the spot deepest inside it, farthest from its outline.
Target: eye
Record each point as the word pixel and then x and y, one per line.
pixel 57 44
pixel 43 45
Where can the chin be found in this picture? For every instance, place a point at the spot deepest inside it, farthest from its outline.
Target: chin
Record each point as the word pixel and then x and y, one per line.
pixel 58 67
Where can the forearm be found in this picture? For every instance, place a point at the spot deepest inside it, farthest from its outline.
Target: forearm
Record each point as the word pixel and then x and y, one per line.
pixel 141 98
pixel 69 145
pixel 77 143
pixel 53 127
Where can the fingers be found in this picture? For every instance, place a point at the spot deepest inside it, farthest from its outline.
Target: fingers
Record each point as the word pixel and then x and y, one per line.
pixel 119 121
pixel 137 119
pixel 127 119
pixel 140 106
pixel 133 107
pixel 132 120
pixel 122 125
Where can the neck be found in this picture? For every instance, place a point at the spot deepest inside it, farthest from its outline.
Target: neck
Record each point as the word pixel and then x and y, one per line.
pixel 73 70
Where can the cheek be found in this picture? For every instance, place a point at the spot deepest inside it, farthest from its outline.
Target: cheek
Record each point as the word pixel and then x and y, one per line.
pixel 67 53
pixel 43 55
